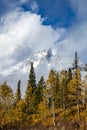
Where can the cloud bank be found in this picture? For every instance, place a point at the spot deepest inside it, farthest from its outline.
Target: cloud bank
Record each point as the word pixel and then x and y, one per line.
pixel 22 33
pixel 76 35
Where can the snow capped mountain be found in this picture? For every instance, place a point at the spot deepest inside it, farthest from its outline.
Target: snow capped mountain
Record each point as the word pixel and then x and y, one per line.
pixel 43 62
pixel 24 66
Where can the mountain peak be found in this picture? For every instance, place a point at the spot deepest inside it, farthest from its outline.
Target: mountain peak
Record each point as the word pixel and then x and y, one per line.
pixel 43 62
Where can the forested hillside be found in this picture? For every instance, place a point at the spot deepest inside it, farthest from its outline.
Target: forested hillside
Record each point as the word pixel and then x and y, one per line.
pixel 62 98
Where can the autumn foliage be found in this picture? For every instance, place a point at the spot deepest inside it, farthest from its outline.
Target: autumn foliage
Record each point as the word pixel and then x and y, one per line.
pixel 62 97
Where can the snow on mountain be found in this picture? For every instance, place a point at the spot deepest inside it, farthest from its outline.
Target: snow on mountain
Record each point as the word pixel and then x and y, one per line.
pixel 24 66
pixel 43 62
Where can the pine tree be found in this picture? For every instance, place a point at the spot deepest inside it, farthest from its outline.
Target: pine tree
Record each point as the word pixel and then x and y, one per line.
pixel 32 78
pixel 31 86
pixel 75 84
pixel 76 60
pixel 18 93
pixel 41 82
pixel 69 74
pixel 38 93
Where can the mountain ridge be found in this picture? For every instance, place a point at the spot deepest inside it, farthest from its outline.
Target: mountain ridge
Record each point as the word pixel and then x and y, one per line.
pixel 43 62
pixel 50 58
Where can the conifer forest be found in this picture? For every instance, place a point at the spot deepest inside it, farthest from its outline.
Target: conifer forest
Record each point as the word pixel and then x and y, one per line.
pixel 57 103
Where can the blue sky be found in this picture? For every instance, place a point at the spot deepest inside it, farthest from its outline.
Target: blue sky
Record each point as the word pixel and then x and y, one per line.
pixel 57 13
pixel 27 26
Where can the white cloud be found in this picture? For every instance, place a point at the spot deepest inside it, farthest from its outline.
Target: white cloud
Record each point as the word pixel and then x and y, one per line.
pixel 76 40
pixel 76 36
pixel 80 7
pixel 21 29
pixel 34 6
pixel 25 29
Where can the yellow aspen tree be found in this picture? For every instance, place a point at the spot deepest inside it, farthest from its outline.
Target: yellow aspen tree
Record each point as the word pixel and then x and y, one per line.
pixel 75 91
pixel 51 85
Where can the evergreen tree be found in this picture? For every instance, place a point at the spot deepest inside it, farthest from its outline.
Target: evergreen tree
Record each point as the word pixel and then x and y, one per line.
pixel 38 93
pixel 31 86
pixel 76 60
pixel 18 93
pixel 69 74
pixel 32 78
pixel 41 82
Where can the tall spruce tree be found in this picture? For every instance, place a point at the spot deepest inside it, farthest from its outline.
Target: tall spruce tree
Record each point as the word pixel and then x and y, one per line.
pixel 76 60
pixel 18 93
pixel 41 82
pixel 77 76
pixel 69 74
pixel 38 93
pixel 31 86
pixel 32 78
